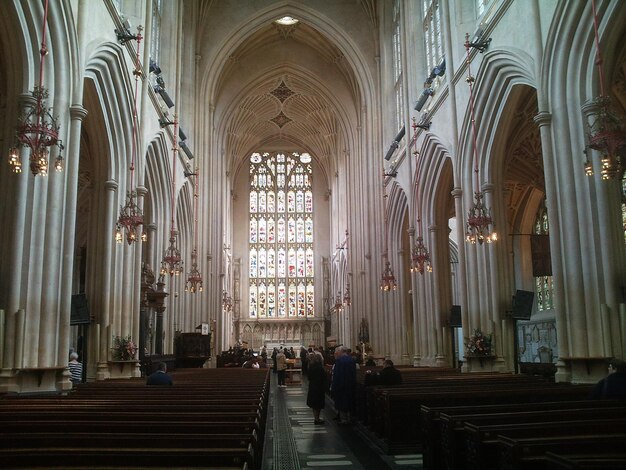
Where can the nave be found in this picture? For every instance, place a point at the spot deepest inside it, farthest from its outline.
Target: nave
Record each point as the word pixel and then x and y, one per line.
pixel 294 442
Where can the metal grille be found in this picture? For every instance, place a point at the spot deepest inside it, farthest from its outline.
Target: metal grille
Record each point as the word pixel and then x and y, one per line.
pixel 285 450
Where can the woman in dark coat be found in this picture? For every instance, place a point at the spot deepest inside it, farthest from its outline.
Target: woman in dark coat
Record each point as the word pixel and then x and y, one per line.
pixel 316 396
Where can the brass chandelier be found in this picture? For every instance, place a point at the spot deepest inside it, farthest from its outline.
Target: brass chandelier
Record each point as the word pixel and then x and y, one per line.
pixel 479 226
pixel 37 128
pixel 130 219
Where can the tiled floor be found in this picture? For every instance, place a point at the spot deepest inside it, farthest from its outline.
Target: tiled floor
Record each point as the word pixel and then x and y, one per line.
pixel 293 442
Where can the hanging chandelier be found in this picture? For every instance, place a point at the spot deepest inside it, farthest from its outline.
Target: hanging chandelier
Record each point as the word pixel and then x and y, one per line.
pixel 227 301
pixel 479 227
pixel 37 128
pixel 347 299
pixel 606 132
pixel 420 258
pixel 131 217
pixel 338 303
pixel 388 280
pixel 172 261
pixel 194 278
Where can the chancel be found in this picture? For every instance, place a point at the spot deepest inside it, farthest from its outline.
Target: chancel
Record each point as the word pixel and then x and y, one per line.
pixel 436 183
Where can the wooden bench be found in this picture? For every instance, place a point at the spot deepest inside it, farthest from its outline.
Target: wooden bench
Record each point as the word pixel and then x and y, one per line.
pixel 590 461
pixel 525 453
pixel 430 419
pixel 125 424
pixel 481 442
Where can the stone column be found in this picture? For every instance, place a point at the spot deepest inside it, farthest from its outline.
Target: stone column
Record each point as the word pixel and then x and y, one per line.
pixel 108 258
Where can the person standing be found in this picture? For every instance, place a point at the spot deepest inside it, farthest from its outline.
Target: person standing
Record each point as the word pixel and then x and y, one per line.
pixel 160 377
pixel 344 384
pixel 76 369
pixel 316 395
pixel 281 367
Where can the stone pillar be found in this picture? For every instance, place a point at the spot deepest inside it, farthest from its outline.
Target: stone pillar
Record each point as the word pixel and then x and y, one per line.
pixel 544 121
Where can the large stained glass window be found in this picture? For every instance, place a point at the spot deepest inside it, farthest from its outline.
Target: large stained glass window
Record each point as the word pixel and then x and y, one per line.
pixel 280 238
pixel 543 284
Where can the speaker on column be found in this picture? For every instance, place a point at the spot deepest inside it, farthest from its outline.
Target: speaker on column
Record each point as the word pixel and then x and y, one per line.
pixel 455 316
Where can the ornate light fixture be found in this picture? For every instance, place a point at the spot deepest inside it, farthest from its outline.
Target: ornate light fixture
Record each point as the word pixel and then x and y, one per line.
pixel 347 298
pixel 37 128
pixel 227 301
pixel 131 216
pixel 194 278
pixel 420 258
pixel 388 280
pixel 479 221
pixel 606 129
pixel 338 303
pixel 172 261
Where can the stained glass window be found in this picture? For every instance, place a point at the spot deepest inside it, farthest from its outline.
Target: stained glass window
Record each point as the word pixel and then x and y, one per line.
pixel 282 267
pixel 543 284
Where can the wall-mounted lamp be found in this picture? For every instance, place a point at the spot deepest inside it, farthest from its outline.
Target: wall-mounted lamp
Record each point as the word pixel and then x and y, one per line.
pixel 123 33
pixel 421 101
pixel 154 68
pixel 164 96
pixel 395 144
pixel 184 148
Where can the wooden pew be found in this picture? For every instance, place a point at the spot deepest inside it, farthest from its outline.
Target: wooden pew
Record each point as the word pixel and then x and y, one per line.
pixel 525 453
pixel 481 441
pixel 430 419
pixel 205 420
pixel 590 461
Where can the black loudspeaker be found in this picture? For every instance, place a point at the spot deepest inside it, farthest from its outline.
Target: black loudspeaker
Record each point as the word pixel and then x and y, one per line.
pixel 455 316
pixel 523 304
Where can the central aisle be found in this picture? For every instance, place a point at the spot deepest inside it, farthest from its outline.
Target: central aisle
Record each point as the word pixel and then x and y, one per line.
pixel 293 442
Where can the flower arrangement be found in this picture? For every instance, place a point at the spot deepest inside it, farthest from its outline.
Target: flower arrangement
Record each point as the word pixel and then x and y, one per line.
pixel 478 344
pixel 123 348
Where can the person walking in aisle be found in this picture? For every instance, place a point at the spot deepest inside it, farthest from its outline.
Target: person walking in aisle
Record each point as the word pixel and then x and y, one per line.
pixel 316 395
pixel 281 367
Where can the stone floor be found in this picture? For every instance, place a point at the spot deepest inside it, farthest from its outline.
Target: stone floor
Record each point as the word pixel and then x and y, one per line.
pixel 293 442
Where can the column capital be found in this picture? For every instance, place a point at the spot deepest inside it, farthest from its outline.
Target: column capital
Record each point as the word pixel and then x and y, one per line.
pixel 488 187
pixel 544 118
pixel 111 185
pixel 141 191
pixel 411 231
pixel 457 193
pixel 77 112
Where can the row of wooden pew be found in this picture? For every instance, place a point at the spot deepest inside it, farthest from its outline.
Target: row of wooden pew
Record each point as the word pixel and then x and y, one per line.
pixel 210 418
pixel 493 421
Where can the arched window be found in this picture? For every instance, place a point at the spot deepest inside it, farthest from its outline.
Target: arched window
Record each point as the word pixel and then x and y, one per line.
pixel 281 270
pixel 433 45
pixel 543 284
pixel 397 65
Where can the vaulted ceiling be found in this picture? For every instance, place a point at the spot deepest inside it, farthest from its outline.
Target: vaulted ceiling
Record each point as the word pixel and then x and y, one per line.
pixel 286 88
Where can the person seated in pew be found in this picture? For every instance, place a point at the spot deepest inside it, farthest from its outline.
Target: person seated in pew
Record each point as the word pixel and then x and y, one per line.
pixel 252 363
pixel 613 385
pixel 389 375
pixel 76 369
pixel 160 377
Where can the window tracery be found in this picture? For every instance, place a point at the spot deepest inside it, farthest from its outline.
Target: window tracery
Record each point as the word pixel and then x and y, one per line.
pixel 543 284
pixel 281 255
